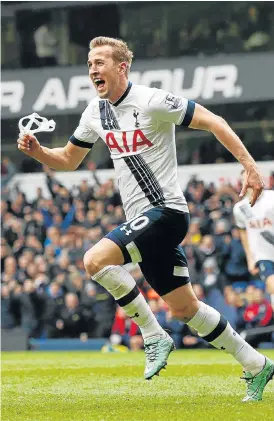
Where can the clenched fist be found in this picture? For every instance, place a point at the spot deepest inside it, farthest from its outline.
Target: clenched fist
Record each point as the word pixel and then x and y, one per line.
pixel 28 144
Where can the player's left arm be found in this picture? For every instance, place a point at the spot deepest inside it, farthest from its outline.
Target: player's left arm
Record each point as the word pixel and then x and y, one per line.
pixel 204 119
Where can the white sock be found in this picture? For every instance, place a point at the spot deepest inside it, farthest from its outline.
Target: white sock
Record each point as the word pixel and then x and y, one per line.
pixel 215 329
pixel 122 286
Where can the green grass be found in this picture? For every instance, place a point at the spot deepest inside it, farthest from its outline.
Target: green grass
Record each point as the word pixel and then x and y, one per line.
pixel 87 386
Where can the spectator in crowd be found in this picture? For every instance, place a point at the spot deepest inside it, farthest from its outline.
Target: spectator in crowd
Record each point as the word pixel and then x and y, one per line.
pixel 104 312
pixel 54 303
pixel 255 31
pixel 45 44
pixel 7 318
pixel 85 193
pixel 234 260
pixel 70 320
pixel 173 326
pixel 7 171
pixel 35 225
pixel 31 307
pixel 229 37
pixel 53 240
pixel 126 331
pixel 258 313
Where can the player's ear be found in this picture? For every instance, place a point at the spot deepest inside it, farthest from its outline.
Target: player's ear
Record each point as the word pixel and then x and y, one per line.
pixel 122 68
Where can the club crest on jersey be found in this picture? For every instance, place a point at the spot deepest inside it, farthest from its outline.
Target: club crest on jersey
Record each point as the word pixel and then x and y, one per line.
pixel 135 115
pixel 124 142
pixel 173 101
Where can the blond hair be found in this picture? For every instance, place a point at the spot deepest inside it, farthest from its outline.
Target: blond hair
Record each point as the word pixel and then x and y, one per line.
pixel 121 52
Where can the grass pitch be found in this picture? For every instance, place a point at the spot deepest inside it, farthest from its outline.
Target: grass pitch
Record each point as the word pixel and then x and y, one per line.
pixel 87 386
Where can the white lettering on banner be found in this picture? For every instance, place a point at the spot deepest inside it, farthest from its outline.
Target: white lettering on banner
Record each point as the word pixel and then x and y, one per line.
pixel 53 94
pixel 206 83
pixel 221 79
pixel 12 95
pixel 163 76
pixel 80 89
pixel 197 84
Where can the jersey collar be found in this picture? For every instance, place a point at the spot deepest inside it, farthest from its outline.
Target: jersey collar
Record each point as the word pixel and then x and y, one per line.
pixel 125 94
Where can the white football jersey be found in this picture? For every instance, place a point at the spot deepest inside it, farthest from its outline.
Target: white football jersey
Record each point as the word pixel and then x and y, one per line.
pixel 259 223
pixel 139 130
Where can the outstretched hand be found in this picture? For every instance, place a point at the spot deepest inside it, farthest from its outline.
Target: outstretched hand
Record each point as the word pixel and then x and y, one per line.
pixel 253 180
pixel 28 144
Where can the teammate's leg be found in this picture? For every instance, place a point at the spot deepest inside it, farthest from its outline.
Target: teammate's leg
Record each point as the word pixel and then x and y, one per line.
pixel 102 262
pixel 215 329
pixel 266 269
pixel 270 288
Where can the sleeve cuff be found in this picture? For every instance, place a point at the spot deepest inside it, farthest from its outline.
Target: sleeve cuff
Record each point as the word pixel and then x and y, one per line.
pixel 189 113
pixel 80 143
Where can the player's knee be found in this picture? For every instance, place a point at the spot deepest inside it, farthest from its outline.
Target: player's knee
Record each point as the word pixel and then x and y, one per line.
pixel 93 262
pixel 186 311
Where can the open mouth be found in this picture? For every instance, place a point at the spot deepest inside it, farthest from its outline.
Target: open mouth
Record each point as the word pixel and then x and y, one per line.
pixel 100 83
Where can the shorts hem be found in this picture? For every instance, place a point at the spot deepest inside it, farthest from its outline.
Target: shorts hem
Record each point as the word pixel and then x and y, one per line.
pixel 116 240
pixel 177 282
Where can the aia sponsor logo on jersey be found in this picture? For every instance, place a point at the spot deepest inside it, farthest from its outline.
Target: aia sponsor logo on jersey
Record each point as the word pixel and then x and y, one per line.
pixel 260 223
pixel 124 142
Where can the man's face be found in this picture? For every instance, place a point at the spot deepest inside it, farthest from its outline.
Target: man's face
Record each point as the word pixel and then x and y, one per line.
pixel 103 70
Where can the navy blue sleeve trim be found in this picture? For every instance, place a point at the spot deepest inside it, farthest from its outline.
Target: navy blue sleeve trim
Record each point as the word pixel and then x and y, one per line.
pixel 189 113
pixel 77 142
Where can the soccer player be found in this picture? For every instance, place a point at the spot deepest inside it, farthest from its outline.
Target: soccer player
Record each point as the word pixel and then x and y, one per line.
pixel 138 125
pixel 257 235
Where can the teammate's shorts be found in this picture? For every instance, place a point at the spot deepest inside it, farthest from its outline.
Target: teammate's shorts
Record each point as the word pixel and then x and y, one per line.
pixel 266 268
pixel 151 239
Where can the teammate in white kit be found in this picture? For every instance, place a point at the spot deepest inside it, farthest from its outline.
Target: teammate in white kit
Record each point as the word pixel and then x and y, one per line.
pixel 138 125
pixel 257 235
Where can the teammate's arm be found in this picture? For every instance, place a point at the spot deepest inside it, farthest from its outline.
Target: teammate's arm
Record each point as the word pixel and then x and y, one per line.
pixel 204 119
pixel 67 158
pixel 250 262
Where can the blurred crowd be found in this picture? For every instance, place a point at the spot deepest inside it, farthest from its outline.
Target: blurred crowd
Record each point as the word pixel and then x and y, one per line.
pixel 169 29
pixel 46 291
pixel 241 27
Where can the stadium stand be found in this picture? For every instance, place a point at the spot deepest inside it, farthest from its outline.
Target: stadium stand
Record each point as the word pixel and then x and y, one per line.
pixel 45 289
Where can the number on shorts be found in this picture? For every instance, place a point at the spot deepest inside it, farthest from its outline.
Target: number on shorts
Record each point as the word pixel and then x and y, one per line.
pixel 139 223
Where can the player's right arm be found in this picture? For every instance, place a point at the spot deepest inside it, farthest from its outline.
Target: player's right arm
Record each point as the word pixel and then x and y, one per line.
pixel 241 224
pixel 250 261
pixel 67 158
pixel 71 155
